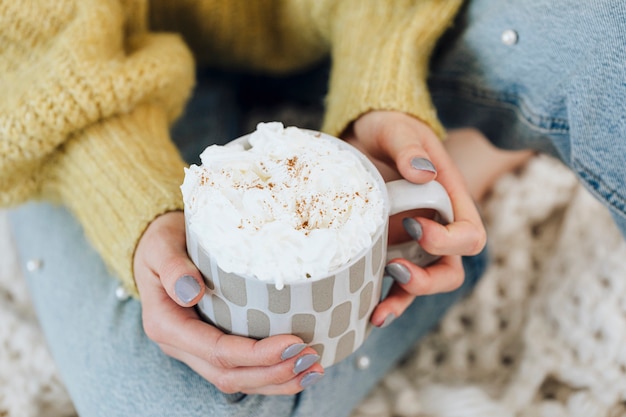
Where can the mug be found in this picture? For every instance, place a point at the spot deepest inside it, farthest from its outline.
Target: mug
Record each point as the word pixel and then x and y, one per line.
pixel 331 313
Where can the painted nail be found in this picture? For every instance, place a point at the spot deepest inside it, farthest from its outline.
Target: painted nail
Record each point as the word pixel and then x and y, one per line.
pixel 292 351
pixel 186 288
pixel 305 362
pixel 390 317
pixel 423 164
pixel 398 272
pixel 412 227
pixel 310 379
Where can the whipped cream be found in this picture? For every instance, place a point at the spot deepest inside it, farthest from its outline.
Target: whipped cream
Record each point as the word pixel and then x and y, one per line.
pixel 290 207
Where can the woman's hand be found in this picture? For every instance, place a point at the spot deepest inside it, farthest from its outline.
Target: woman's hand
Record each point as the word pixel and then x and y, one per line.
pixel 169 284
pixel 403 146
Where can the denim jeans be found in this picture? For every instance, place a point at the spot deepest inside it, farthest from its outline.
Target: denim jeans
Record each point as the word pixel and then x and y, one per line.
pixel 541 74
pixel 111 368
pixel 546 75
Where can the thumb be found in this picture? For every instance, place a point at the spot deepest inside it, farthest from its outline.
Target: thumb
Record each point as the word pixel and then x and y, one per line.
pixel 162 251
pixel 414 164
pixel 407 144
pixel 399 138
pixel 182 281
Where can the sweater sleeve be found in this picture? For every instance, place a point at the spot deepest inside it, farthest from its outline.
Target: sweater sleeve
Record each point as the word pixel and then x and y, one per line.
pixel 84 117
pixel 380 54
pixel 380 50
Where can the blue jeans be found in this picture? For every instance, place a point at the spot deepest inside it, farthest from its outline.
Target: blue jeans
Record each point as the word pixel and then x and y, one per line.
pixel 111 368
pixel 545 75
pixel 556 84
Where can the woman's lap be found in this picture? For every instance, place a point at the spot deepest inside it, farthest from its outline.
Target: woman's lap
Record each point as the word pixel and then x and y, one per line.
pixel 111 368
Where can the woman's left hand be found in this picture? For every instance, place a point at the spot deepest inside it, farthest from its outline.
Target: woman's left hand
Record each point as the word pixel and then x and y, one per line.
pixel 402 146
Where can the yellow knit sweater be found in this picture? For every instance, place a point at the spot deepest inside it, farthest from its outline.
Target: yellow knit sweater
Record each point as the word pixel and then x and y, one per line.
pixel 89 89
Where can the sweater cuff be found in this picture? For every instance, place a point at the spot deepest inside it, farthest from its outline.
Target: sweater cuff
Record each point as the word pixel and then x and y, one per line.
pixel 116 177
pixel 391 72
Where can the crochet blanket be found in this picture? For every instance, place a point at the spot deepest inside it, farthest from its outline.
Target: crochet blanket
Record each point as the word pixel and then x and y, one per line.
pixel 542 335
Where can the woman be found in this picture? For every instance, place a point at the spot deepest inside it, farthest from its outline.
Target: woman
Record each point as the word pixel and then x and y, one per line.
pixel 91 96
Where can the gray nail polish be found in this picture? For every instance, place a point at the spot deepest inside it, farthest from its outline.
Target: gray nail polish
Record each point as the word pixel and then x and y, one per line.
pixel 305 362
pixel 186 288
pixel 310 379
pixel 390 317
pixel 398 272
pixel 292 350
pixel 412 227
pixel 423 164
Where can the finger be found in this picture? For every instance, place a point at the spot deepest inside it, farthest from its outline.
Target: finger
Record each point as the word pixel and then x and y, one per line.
pixel 166 322
pixel 394 304
pixel 163 252
pixel 447 274
pixel 405 147
pixel 397 139
pixel 411 281
pixel 466 235
pixel 303 381
pixel 461 237
pixel 231 351
pixel 178 276
pixel 182 280
pixel 411 159
pixel 453 181
pixel 283 378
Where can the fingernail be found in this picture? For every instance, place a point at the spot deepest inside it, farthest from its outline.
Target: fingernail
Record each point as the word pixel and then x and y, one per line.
pixel 305 362
pixel 292 350
pixel 412 227
pixel 398 272
pixel 186 288
pixel 423 164
pixel 310 379
pixel 390 317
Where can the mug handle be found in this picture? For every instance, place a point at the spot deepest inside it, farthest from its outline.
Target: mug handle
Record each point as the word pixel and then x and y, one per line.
pixel 403 196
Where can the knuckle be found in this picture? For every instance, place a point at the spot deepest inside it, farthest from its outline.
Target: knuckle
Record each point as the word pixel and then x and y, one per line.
pixel 479 240
pixel 218 356
pixel 261 352
pixel 435 243
pixel 218 360
pixel 167 350
pixel 153 329
pixel 457 280
pixel 278 378
pixel 225 384
pixel 168 268
pixel 423 286
pixel 294 389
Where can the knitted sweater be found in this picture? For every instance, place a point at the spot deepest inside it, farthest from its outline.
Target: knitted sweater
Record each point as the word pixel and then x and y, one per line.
pixel 91 87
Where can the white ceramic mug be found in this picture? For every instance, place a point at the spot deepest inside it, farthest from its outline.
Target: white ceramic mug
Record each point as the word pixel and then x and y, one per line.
pixel 331 313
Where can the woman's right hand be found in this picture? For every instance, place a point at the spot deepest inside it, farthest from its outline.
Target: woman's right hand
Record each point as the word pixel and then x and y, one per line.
pixel 169 285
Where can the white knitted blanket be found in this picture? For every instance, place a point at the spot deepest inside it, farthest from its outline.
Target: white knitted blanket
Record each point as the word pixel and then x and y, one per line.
pixel 542 335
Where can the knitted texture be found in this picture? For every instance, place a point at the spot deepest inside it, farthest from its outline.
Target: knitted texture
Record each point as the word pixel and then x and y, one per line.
pixel 380 50
pixel 542 334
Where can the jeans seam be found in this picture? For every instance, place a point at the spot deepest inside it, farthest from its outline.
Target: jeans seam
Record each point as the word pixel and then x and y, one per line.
pixel 509 100
pixel 600 189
